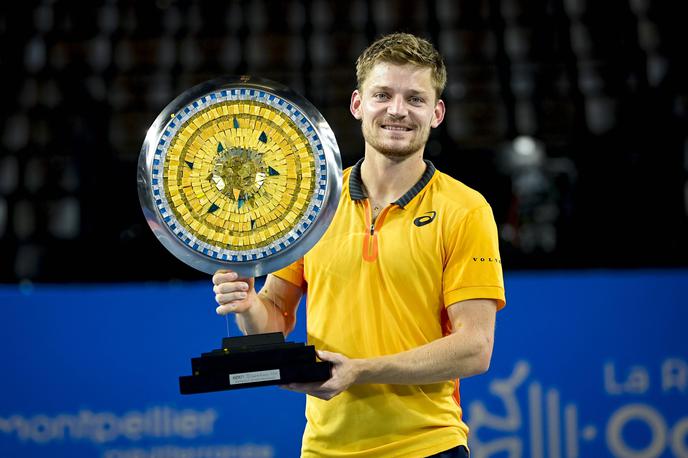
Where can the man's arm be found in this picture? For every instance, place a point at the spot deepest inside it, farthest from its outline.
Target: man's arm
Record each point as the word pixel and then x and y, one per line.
pixel 465 352
pixel 273 309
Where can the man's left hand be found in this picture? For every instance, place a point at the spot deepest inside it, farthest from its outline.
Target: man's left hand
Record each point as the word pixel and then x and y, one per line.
pixel 344 374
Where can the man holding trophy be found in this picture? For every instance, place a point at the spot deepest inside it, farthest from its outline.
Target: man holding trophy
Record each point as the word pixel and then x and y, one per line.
pixel 402 288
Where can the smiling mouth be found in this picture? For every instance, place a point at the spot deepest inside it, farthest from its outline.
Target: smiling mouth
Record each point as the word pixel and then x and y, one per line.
pixel 396 128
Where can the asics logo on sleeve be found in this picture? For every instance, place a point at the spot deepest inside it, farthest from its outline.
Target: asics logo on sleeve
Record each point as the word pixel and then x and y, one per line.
pixel 425 218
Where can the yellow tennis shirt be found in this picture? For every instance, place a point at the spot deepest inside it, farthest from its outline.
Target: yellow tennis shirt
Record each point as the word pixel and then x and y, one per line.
pixel 383 288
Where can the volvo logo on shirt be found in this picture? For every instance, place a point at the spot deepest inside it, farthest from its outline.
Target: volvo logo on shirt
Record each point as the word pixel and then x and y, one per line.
pixel 487 259
pixel 425 218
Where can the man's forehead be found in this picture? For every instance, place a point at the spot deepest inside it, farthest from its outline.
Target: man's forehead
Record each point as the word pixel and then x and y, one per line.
pixel 389 75
pixel 411 89
pixel 384 66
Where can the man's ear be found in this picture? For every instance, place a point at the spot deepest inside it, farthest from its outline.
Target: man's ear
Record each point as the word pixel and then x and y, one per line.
pixel 355 106
pixel 438 113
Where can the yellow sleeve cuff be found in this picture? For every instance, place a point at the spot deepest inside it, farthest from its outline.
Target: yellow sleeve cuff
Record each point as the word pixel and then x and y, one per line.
pixel 476 292
pixel 290 275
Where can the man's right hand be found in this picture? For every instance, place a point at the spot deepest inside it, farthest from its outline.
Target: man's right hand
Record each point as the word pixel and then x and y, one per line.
pixel 233 294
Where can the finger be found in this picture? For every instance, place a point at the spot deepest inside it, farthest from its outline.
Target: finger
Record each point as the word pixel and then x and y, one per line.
pixel 309 389
pixel 325 395
pixel 230 287
pixel 328 356
pixel 298 388
pixel 224 309
pixel 305 387
pixel 224 276
pixel 224 299
pixel 232 307
pixel 291 387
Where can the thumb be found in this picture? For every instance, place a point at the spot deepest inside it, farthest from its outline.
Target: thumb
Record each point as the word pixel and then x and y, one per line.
pixel 251 282
pixel 326 355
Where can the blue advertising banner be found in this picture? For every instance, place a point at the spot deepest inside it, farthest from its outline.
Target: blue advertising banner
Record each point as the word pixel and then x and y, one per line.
pixel 589 364
pixel 586 364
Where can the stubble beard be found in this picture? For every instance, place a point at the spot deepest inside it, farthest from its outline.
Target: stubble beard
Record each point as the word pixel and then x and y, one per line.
pixel 395 152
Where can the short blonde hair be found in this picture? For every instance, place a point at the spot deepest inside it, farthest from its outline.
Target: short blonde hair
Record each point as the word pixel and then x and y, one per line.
pixel 403 48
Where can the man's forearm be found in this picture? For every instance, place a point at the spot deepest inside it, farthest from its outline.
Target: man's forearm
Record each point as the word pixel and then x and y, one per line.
pixel 454 356
pixel 263 316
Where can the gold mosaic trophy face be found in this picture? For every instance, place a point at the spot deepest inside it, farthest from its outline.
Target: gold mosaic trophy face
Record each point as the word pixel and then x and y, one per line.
pixel 240 174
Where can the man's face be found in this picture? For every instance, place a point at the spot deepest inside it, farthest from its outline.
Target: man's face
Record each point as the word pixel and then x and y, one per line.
pixel 396 106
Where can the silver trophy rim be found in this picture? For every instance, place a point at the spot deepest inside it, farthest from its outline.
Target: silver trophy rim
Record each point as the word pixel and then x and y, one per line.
pixel 252 268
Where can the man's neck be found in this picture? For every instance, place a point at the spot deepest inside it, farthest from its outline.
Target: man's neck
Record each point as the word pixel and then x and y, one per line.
pixel 386 180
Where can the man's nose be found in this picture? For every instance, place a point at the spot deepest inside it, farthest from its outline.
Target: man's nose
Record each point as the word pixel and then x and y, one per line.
pixel 397 107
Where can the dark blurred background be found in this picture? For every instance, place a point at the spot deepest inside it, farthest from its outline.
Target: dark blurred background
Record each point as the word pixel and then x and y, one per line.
pixel 570 116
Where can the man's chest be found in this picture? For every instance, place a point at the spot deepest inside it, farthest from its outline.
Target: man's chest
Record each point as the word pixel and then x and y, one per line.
pixel 377 288
pixel 400 244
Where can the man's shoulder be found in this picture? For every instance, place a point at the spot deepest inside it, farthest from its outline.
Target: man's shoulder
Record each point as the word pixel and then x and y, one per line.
pixel 457 195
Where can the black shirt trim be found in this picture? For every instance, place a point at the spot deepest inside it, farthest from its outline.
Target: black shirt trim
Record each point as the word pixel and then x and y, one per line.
pixel 356 191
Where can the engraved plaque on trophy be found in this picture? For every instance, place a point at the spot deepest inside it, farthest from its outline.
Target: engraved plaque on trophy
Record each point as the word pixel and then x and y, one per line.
pixel 241 174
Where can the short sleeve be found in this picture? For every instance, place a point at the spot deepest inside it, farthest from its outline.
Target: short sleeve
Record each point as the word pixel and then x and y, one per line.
pixel 473 267
pixel 293 273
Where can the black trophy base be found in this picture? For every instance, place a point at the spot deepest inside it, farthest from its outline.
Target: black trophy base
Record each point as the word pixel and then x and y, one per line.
pixel 255 360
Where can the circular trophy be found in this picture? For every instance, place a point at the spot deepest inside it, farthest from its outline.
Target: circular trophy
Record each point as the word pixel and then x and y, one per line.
pixel 240 174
